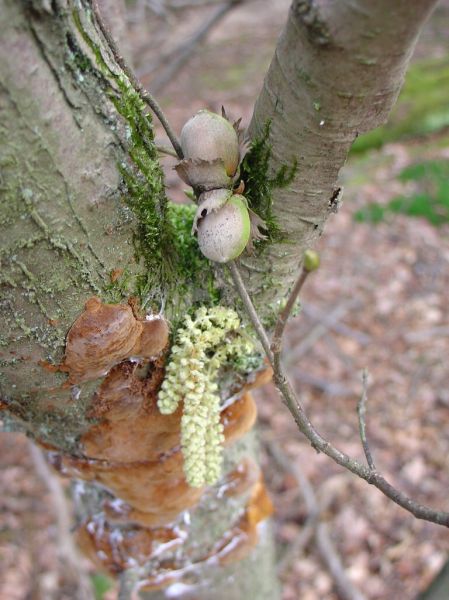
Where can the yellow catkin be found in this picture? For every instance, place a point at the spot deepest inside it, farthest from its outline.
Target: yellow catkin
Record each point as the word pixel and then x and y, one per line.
pixel 202 346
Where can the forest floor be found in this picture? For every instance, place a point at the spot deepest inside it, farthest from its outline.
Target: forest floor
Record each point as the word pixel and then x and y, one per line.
pixel 379 302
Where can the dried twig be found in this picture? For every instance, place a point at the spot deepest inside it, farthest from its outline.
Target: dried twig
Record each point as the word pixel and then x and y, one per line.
pixel 308 528
pixel 182 4
pixel 331 559
pixel 143 93
pixel 244 296
pixel 70 557
pixel 128 584
pixel 165 150
pixel 320 444
pixel 331 388
pixel 361 411
pixel 320 329
pixel 335 323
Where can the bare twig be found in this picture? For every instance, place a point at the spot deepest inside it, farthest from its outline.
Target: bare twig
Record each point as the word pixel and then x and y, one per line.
pixel 143 93
pixel 331 559
pixel 286 311
pixel 164 150
pixel 320 444
pixel 361 411
pixel 308 528
pixel 335 323
pixel 181 4
pixel 66 547
pixel 320 329
pixel 180 55
pixel 128 584
pixel 330 388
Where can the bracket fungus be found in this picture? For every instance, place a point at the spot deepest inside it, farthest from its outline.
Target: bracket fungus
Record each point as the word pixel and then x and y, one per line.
pixel 106 334
pixel 144 422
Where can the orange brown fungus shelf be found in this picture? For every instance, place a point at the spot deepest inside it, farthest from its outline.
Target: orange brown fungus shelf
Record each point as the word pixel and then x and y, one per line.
pixel 106 334
pixel 134 451
pixel 235 545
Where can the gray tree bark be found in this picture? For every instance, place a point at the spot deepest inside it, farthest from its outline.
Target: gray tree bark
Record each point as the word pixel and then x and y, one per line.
pixel 64 226
pixel 336 72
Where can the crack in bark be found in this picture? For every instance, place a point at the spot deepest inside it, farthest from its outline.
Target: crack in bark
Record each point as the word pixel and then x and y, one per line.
pixel 41 47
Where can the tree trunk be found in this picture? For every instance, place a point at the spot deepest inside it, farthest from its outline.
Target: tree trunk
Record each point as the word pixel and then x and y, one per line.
pixel 84 214
pixel 67 228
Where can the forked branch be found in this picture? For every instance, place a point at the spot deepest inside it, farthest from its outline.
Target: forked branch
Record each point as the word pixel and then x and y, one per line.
pixel 305 426
pixel 143 93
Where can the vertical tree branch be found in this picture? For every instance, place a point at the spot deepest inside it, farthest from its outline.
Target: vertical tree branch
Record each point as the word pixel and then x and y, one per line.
pixel 336 72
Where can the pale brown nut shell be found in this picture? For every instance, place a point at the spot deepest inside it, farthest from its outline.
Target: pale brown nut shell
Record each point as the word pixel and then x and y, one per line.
pixel 210 202
pixel 209 136
pixel 223 235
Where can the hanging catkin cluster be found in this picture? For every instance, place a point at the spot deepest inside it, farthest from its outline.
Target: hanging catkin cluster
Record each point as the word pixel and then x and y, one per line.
pixel 202 346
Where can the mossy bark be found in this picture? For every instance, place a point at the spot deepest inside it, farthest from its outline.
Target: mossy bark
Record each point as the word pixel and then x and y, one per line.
pixel 64 226
pixel 82 197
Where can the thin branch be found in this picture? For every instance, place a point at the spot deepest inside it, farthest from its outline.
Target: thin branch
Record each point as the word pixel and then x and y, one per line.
pixel 252 313
pixel 320 444
pixel 334 323
pixel 308 527
pixel 315 529
pixel 164 150
pixel 181 54
pixel 285 313
pixel 361 411
pixel 317 331
pixel 182 4
pixel 128 584
pixel 331 559
pixel 143 93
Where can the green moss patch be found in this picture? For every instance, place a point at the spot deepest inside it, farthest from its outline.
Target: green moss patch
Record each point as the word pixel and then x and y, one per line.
pixel 259 186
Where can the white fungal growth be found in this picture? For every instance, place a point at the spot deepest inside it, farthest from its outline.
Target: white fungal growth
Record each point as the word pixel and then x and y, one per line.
pixel 203 345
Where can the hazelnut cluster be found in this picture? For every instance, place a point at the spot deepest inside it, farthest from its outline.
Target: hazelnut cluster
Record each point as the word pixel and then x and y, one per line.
pixel 202 346
pixel 212 148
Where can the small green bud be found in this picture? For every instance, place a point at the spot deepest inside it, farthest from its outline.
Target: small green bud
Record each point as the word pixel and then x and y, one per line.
pixel 311 260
